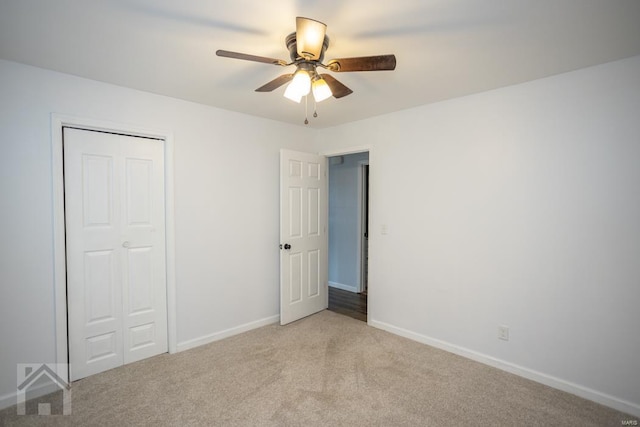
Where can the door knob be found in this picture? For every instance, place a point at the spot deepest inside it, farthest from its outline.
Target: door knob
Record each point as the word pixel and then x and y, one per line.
pixel 125 244
pixel 287 246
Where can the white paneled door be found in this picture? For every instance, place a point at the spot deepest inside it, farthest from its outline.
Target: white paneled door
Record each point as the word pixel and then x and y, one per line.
pixel 115 237
pixel 303 235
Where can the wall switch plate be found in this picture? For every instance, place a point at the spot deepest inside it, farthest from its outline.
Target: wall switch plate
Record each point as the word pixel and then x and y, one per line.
pixel 503 332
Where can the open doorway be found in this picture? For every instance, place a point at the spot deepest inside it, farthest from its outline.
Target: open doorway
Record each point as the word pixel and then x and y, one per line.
pixel 348 234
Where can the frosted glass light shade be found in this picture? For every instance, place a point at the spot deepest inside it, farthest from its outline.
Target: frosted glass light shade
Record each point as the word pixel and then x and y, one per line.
pixel 299 86
pixel 321 90
pixel 309 37
pixel 290 93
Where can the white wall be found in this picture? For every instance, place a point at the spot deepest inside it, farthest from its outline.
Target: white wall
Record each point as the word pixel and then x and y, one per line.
pixel 519 206
pixel 226 208
pixel 344 225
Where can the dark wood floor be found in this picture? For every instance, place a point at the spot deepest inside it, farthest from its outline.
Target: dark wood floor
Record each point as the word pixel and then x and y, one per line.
pixel 348 303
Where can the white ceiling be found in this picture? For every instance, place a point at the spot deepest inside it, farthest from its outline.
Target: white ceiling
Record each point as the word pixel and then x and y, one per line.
pixel 444 48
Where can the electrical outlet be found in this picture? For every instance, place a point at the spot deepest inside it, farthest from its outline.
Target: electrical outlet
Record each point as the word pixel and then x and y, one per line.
pixel 503 332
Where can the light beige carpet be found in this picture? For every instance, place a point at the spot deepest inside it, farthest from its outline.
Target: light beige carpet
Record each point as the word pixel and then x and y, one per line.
pixel 325 370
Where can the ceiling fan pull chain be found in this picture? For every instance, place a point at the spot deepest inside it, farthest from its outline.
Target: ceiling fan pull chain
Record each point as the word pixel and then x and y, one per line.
pixel 306 114
pixel 315 107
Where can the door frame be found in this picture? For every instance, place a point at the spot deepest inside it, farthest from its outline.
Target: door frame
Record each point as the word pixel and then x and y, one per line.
pixel 58 121
pixel 344 152
pixel 363 211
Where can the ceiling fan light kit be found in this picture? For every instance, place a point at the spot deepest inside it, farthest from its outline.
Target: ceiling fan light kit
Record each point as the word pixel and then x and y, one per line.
pixel 307 47
pixel 299 86
pixel 321 89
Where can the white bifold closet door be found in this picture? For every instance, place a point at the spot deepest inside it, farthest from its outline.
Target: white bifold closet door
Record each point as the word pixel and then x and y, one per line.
pixel 115 238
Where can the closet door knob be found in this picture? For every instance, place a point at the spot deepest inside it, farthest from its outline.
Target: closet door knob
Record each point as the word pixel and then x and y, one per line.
pixel 125 244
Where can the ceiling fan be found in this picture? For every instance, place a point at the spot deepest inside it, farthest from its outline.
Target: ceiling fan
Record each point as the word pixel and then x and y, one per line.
pixel 307 46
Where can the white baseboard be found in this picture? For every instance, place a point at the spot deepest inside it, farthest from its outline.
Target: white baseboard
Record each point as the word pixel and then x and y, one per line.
pixel 551 381
pixel 35 391
pixel 349 288
pixel 196 342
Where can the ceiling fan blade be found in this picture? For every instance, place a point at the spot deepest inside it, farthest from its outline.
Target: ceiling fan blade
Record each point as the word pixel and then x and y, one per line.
pixel 275 83
pixel 337 89
pixel 247 57
pixel 363 63
pixel 309 37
